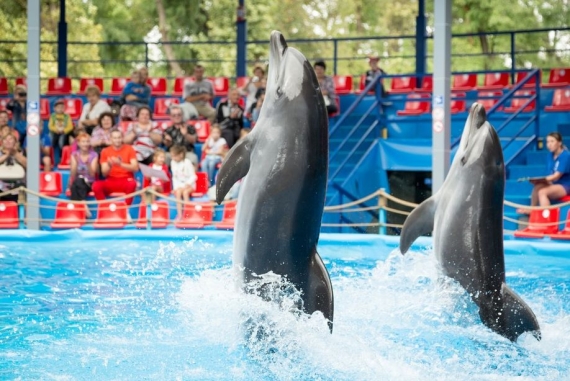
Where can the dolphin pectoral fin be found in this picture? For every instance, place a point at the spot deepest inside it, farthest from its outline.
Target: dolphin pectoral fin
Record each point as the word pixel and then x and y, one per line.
pixel 319 295
pixel 234 167
pixel 419 222
pixel 518 317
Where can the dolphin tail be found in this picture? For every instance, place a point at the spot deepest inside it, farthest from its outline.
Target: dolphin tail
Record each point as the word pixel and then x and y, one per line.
pixel 518 317
pixel 234 167
pixel 419 222
pixel 319 293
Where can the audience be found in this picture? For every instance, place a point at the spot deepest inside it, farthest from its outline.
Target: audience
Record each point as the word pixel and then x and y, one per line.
pixel 179 133
pixel 12 167
pixel 214 150
pixel 229 116
pixel 101 136
pixel 17 106
pixel 93 109
pixel 159 164
pixel 373 72
pixel 143 136
pixel 183 177
pixel 118 166
pixel 256 108
pixel 83 169
pixel 5 128
pixel 256 83
pixel 135 95
pixel 60 126
pixel 199 93
pixel 45 150
pixel 326 84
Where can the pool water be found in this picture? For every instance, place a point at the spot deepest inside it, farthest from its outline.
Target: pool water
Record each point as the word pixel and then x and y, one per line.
pixel 110 307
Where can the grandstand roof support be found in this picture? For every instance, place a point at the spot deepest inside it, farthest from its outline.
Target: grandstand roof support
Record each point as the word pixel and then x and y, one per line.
pixel 34 126
pixel 241 24
pixel 441 118
pixel 62 42
pixel 421 38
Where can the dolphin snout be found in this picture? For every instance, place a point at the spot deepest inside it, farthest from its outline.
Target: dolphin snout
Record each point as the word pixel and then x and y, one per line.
pixel 478 115
pixel 277 42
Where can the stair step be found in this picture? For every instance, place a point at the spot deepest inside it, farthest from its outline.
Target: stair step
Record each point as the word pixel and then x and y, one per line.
pixel 537 157
pixel 518 171
pixel 517 188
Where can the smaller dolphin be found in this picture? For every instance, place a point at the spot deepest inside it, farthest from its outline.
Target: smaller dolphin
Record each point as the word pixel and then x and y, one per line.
pixel 281 202
pixel 466 217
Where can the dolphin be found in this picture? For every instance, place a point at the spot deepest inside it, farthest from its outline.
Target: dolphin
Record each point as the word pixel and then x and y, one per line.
pixel 285 158
pixel 466 217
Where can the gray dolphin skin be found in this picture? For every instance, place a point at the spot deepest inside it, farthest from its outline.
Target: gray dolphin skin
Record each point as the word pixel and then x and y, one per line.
pixel 466 217
pixel 281 202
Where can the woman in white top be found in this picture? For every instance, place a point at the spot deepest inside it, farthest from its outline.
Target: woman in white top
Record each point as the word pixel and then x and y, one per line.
pixel 253 85
pixel 92 109
pixel 183 176
pixel 143 136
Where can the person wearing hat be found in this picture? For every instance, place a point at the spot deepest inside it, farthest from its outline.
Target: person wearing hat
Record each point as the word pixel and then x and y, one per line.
pixel 17 106
pixel 60 126
pixel 373 72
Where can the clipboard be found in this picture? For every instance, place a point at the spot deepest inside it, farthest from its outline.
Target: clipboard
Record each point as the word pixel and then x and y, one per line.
pixel 150 172
pixel 535 180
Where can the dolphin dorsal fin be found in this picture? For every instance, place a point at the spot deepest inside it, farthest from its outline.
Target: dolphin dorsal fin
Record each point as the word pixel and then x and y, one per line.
pixel 418 223
pixel 234 167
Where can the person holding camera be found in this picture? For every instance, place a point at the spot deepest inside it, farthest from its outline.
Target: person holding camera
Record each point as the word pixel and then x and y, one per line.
pixel 229 116
pixel 18 108
pixel 12 167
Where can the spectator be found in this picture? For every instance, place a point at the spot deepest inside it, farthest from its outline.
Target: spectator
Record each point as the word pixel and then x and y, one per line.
pixel 93 109
pixel 101 136
pixel 229 116
pixel 118 165
pixel 5 129
pixel 60 126
pixel 143 136
pixel 215 148
pixel 159 164
pixel 19 112
pixel 179 133
pixel 45 150
pixel 557 184
pixel 199 93
pixel 251 89
pixel 373 72
pixel 326 84
pixel 12 167
pixel 183 177
pixel 256 108
pixel 135 95
pixel 83 169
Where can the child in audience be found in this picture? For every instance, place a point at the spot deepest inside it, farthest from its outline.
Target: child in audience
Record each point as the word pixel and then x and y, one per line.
pixel 158 163
pixel 215 149
pixel 183 176
pixel 84 167
pixel 60 126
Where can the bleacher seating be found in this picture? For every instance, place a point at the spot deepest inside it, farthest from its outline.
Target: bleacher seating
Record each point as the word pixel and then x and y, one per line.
pixel 65 160
pixel 22 81
pixel 560 101
pixel 495 81
pixel 69 215
pixel 488 98
pixel 117 85
pixel 160 215
pixel 221 85
pixel 415 106
pixel 342 84
pixel 44 109
pixel 202 184
pixel 158 86
pixel 241 81
pixel 464 82
pixel 8 215
pixel 518 103
pixel 196 215
pixel 458 103
pixel 427 84
pixel 3 86
pixel 559 77
pixel 538 221
pixel 86 82
pixel 161 106
pixel 4 103
pixel 73 107
pixel 563 234
pixel 59 86
pixel 179 83
pixel 111 215
pixel 51 183
pixel 521 75
pixel 202 129
pixel 402 85
pixel 229 215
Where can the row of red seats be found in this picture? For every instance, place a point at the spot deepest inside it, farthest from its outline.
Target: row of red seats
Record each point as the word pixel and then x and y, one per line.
pixel 416 106
pixel 544 223
pixel 113 215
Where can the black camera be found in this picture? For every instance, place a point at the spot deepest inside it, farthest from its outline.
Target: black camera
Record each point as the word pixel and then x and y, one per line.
pixel 22 94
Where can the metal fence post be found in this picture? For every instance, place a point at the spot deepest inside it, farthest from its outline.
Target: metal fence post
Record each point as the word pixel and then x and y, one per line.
pixel 146 61
pixel 513 57
pixel 382 212
pixel 335 55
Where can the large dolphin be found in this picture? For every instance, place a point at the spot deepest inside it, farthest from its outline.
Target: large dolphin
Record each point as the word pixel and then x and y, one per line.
pixel 466 217
pixel 281 202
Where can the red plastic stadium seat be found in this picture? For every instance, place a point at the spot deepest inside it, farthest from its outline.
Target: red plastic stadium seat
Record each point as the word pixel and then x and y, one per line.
pixel 179 83
pixel 537 221
pixel 427 85
pixel 22 81
pixel 202 184
pixel 125 125
pixel 85 82
pixel 464 82
pixel 8 215
pixel 241 81
pixel 196 215
pixel 560 101
pixel 111 215
pixel 65 161
pixel 163 125
pixel 403 84
pixel 228 218
pixel 4 103
pixel 521 75
pixel 73 107
pixel 117 85
pixel 343 84
pixel 51 184
pixel 458 105
pixel 59 86
pixel 493 81
pixel 69 216
pixel 157 86
pixel 160 215
pixel 488 103
pixel 221 85
pixel 202 129
pixel 559 77
pixel 3 86
pixel 362 84
pixel 518 103
pixel 161 106
pixel 563 234
pixel 415 107
pixel 44 109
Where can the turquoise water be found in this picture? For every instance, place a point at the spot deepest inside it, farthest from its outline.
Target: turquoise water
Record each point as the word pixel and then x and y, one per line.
pixel 159 307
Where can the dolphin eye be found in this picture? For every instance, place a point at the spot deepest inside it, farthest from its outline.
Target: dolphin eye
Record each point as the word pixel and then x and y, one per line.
pixel 279 92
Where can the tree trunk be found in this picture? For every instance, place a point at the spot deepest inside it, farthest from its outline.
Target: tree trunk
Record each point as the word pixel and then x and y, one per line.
pixel 168 51
pixel 486 51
